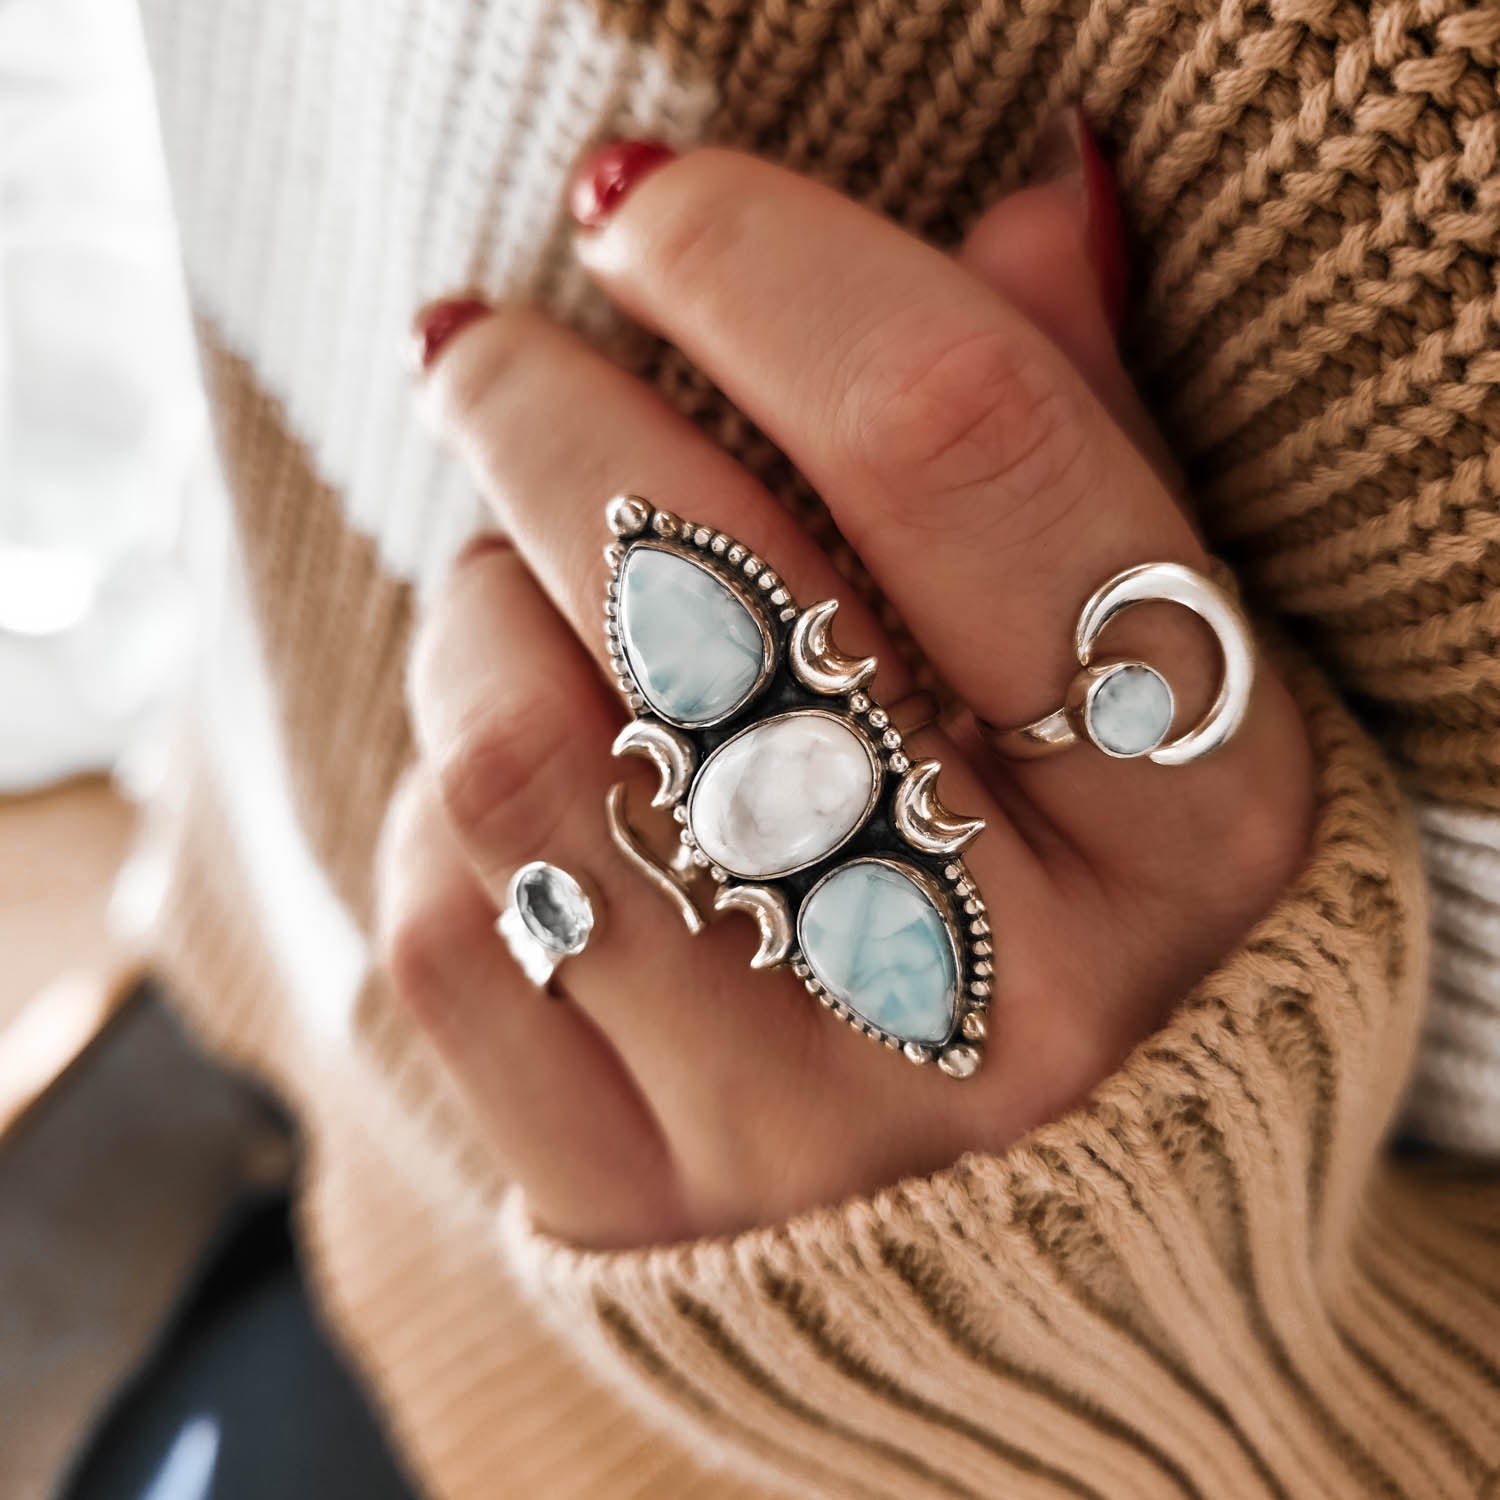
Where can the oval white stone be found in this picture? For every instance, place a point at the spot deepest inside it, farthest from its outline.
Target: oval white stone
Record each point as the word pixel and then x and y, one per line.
pixel 782 794
pixel 694 648
pixel 875 939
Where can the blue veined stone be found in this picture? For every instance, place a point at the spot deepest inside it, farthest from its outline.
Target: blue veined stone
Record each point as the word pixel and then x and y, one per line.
pixel 694 648
pixel 874 939
pixel 1130 711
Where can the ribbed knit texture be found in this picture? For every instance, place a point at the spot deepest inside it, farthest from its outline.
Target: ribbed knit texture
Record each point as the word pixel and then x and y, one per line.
pixel 1183 1290
pixel 1209 1282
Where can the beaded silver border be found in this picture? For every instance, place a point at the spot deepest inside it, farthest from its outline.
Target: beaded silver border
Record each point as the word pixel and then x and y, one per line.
pixel 925 839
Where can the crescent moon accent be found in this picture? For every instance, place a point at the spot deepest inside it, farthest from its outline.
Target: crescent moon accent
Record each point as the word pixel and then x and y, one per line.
pixel 817 663
pixel 923 821
pixel 1182 585
pixel 769 909
pixel 671 753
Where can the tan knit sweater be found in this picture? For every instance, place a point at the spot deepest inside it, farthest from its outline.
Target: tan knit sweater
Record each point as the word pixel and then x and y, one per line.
pixel 1214 1281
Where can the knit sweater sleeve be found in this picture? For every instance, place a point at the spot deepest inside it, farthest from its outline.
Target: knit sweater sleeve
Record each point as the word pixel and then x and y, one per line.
pixel 1204 1283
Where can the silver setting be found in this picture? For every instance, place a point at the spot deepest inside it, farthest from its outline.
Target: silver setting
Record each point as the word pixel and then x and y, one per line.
pixel 819 665
pixel 673 754
pixel 1172 583
pixel 628 515
pixel 675 883
pixel 904 824
pixel 538 942
pixel 768 907
pixel 923 821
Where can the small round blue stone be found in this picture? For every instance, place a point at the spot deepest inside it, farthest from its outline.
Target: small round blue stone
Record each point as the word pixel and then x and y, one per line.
pixel 874 939
pixel 695 650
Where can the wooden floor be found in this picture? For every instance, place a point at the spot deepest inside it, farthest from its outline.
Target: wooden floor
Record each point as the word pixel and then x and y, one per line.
pixel 59 851
pixel 61 971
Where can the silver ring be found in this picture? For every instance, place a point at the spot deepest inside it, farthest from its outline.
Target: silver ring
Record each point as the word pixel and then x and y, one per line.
pixel 793 790
pixel 548 916
pixel 1125 708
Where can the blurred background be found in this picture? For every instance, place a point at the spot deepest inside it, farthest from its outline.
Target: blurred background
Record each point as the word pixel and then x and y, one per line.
pixel 120 1151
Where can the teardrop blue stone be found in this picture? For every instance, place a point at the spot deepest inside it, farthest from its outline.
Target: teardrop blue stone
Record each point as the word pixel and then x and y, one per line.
pixel 694 648
pixel 875 940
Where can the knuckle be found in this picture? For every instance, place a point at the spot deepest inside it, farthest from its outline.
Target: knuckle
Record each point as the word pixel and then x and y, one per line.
pixel 499 783
pixel 967 413
pixel 417 953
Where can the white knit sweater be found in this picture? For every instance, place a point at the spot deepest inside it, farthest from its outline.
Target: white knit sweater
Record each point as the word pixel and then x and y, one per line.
pixel 338 163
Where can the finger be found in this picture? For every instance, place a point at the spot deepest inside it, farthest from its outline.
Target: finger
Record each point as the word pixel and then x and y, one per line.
pixel 951 438
pixel 517 726
pixel 564 1114
pixel 736 1067
pixel 550 429
pixel 961 453
pixel 545 420
pixel 1056 252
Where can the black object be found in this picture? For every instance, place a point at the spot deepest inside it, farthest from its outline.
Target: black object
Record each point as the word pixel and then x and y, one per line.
pixel 243 1398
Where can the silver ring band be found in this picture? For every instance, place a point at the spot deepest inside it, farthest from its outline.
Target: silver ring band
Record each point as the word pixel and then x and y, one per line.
pixel 794 790
pixel 1125 708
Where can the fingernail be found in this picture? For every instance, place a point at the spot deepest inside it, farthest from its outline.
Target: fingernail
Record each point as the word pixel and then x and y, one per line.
pixel 1067 153
pixel 608 174
pixel 482 544
pixel 436 324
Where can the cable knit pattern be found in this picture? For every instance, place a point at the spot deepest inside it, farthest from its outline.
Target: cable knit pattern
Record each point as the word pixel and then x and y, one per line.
pixel 1176 1291
pixel 1212 1282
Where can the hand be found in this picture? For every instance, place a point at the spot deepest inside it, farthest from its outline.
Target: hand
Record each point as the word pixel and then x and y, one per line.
pixel 970 429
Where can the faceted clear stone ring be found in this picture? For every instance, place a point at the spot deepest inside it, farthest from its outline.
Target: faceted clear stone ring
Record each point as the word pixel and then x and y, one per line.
pixel 1125 708
pixel 793 790
pixel 548 916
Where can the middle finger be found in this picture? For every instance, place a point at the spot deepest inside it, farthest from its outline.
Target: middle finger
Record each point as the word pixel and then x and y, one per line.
pixel 966 459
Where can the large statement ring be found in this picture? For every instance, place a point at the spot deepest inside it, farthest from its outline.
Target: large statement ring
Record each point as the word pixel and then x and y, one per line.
pixel 1125 708
pixel 548 916
pixel 793 788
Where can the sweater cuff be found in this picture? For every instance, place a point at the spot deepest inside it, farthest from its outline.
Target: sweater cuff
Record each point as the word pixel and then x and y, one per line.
pixel 1154 1296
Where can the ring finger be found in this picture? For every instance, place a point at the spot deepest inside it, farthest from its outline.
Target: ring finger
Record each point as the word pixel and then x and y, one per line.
pixel 550 426
pixel 560 1106
pixel 515 728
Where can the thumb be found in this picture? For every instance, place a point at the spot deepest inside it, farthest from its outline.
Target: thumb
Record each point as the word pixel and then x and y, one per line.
pixel 1055 251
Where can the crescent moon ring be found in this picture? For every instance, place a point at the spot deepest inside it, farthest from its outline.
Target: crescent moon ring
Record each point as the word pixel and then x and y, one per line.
pixel 1079 718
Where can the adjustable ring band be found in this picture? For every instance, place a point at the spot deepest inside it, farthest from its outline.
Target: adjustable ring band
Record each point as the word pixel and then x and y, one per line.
pixel 549 916
pixel 797 800
pixel 1125 708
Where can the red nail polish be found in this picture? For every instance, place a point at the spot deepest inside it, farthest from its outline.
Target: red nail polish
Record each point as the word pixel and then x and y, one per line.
pixel 436 324
pixel 608 174
pixel 482 544
pixel 1106 226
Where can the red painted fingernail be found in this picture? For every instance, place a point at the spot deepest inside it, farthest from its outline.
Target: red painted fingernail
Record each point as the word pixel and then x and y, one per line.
pixel 1106 226
pixel 435 325
pixel 483 544
pixel 608 174
pixel 1067 151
